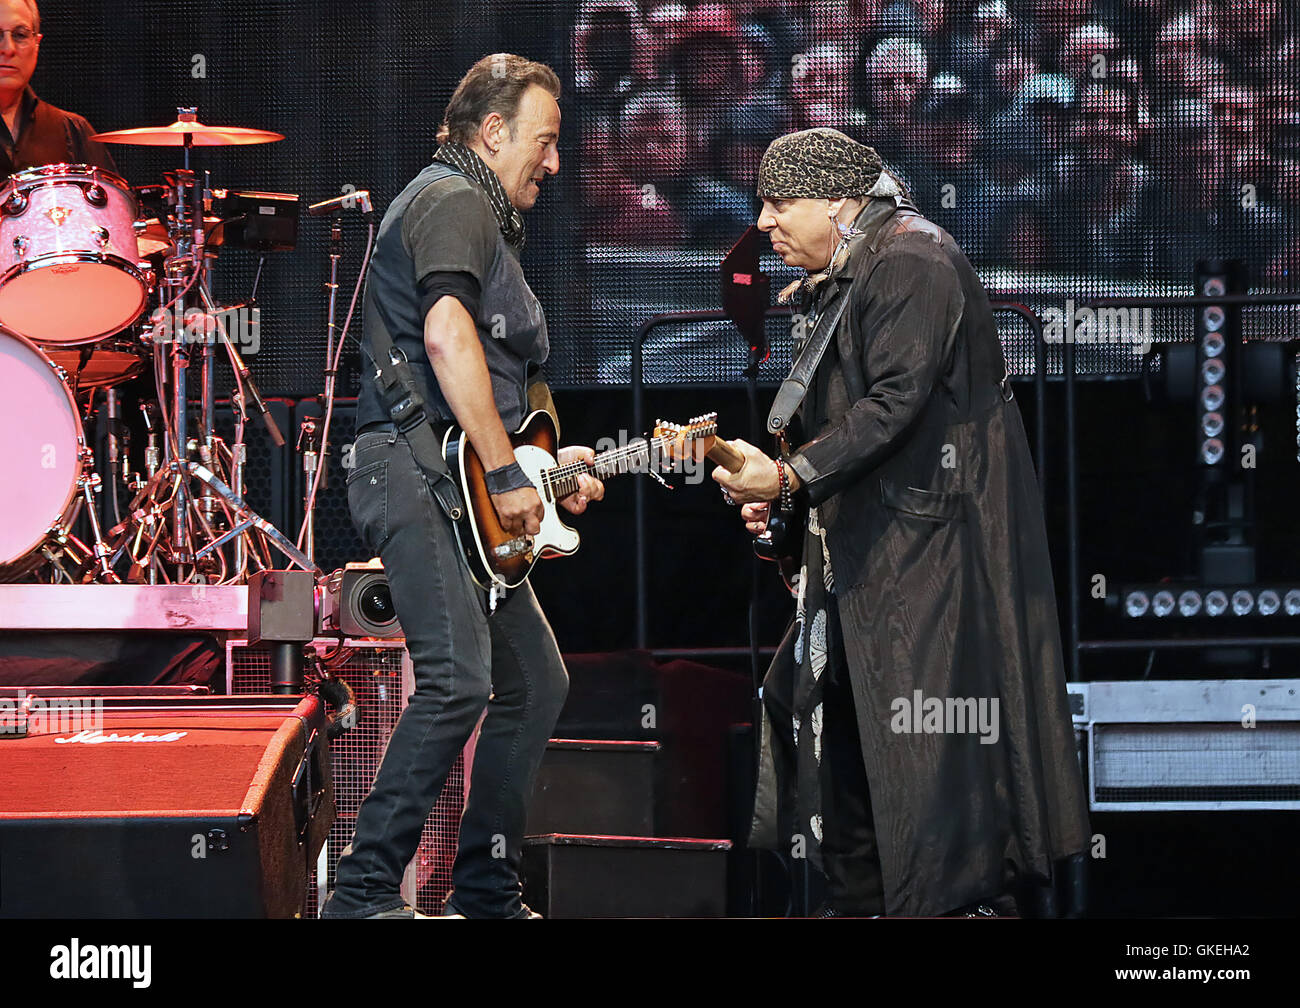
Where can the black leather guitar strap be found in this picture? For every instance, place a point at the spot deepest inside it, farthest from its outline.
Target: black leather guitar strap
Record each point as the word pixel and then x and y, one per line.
pixel 406 408
pixel 793 390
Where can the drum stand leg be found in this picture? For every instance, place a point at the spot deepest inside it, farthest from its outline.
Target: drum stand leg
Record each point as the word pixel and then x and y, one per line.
pixel 148 510
pixel 90 484
pixel 246 518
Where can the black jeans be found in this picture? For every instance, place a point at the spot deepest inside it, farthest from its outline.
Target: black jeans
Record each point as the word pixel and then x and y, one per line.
pixel 464 659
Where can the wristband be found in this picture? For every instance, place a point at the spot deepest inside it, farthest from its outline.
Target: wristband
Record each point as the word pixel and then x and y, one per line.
pixel 507 478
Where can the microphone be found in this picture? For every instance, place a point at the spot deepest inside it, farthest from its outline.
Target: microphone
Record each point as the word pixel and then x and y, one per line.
pixel 360 198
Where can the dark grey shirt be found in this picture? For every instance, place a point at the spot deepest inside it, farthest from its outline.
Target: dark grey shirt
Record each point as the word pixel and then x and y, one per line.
pixel 442 225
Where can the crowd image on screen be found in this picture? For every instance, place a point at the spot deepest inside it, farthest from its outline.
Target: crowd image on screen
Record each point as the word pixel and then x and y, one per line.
pixel 1088 137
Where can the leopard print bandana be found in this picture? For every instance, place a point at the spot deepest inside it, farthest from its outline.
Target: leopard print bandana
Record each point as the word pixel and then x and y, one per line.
pixel 817 163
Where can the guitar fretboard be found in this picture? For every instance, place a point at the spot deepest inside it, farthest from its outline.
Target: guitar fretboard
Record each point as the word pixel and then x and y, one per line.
pixel 561 481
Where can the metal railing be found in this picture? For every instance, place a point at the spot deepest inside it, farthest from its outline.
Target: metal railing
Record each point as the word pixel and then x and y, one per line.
pixel 685 317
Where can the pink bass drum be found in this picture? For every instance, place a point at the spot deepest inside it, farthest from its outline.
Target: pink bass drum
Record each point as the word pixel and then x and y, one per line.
pixel 40 454
pixel 69 261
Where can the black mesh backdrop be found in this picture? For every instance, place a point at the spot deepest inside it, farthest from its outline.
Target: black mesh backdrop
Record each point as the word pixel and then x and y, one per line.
pixel 1072 148
pixel 357 90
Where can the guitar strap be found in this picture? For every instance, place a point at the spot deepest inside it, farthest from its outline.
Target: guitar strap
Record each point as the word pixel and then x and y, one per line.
pixel 793 390
pixel 406 408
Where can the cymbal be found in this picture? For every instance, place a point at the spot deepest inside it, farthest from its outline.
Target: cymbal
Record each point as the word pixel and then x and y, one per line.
pixel 198 135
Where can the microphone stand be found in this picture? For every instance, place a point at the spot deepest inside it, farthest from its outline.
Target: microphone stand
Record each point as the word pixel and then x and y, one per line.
pixel 316 469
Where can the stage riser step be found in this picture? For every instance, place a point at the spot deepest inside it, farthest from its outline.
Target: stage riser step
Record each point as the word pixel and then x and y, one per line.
pixel 610 877
pixel 595 787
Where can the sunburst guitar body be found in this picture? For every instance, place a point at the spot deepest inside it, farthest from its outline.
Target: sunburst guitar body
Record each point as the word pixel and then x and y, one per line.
pixel 496 558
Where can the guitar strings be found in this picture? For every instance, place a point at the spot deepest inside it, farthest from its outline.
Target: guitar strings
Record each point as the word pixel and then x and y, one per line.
pixel 552 478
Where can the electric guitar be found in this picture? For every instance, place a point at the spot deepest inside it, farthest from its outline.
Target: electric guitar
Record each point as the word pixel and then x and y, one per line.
pixel 497 559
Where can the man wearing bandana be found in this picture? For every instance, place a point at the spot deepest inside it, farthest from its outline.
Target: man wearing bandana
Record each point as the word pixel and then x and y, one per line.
pixel 916 740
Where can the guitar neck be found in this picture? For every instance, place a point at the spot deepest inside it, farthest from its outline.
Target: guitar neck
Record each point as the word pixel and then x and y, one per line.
pixel 562 481
pixel 726 456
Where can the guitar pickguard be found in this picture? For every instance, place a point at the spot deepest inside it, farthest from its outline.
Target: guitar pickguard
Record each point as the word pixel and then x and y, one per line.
pixel 555 535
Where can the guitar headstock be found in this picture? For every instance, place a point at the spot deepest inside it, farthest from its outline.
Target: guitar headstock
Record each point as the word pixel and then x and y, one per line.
pixel 692 439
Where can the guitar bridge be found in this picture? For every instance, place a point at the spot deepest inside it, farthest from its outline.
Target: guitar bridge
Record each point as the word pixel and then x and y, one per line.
pixel 523 546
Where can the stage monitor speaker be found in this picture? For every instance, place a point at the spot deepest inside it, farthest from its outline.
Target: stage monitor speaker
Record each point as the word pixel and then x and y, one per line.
pixel 162 807
pixel 379 672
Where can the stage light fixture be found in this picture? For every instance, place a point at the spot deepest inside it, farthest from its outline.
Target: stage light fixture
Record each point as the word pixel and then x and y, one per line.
pixel 1186 602
pixel 1216 603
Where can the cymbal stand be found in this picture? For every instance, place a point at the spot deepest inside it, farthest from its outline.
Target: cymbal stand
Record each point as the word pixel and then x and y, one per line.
pixel 182 526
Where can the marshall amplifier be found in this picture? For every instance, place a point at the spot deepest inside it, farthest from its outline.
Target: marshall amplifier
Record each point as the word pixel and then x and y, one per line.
pixel 159 806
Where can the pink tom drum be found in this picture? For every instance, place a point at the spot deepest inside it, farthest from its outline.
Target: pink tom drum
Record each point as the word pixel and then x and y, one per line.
pixel 69 261
pixel 40 454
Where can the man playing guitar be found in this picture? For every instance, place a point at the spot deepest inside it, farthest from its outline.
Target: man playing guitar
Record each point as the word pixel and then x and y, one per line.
pixel 925 592
pixel 447 293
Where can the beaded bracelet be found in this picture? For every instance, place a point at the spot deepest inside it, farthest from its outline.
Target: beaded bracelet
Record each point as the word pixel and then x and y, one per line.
pixel 786 496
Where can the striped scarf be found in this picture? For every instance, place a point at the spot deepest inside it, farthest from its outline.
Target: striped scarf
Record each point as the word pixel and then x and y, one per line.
pixel 464 160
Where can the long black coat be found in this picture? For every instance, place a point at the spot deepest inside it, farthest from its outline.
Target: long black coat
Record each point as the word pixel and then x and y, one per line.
pixel 938 549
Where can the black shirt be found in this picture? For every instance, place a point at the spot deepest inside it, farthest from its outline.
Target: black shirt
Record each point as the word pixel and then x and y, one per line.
pixel 49 135
pixel 441 236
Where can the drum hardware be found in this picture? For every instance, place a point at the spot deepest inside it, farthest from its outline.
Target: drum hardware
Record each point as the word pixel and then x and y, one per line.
pixel 178 514
pixel 78 265
pixel 114 435
pixel 90 484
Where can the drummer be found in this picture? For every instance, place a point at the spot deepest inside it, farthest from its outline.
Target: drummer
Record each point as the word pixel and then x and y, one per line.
pixel 34 131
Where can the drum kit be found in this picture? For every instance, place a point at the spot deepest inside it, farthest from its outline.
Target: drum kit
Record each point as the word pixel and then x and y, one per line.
pixel 93 293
